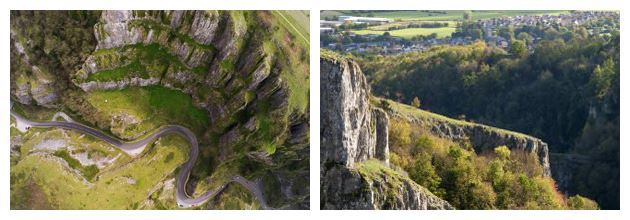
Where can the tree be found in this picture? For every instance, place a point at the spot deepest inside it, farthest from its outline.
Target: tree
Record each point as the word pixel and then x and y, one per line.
pixel 602 78
pixel 518 48
pixel 578 202
pixel 502 152
pixel 525 37
pixel 416 102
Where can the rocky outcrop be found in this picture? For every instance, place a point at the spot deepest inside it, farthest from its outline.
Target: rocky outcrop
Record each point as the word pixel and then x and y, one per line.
pixel 344 188
pixel 382 135
pixel 353 134
pixel 31 83
pixel 346 132
pixel 349 124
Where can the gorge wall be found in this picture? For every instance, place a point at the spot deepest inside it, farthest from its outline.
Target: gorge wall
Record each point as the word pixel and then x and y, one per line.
pixel 480 137
pixel 354 148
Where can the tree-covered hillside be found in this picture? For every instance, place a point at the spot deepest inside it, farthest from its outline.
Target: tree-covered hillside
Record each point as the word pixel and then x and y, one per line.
pixel 564 90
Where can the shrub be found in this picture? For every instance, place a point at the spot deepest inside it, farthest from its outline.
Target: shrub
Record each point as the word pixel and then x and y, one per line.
pixel 578 202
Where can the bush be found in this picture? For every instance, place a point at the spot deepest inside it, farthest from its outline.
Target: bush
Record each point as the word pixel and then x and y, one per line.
pixel 578 202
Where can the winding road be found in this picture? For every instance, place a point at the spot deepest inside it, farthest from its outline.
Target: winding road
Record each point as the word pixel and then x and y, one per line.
pixel 134 148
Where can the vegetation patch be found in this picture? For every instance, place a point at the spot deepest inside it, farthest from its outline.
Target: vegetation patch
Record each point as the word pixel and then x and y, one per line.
pixel 152 106
pixel 89 172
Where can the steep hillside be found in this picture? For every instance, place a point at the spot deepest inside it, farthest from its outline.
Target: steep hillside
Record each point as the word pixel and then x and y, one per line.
pixel 235 78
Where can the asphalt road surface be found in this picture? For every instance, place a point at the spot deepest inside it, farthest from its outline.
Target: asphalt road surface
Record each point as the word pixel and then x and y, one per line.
pixel 134 148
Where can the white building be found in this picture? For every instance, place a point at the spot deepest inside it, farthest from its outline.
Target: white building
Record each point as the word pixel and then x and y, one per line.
pixel 363 20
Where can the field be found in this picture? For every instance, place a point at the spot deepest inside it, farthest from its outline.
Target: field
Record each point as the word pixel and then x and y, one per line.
pixel 411 32
pixel 407 17
pixel 454 15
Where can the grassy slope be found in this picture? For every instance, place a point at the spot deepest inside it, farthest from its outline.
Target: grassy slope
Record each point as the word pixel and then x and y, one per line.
pixel 111 191
pixel 295 49
pixel 153 106
pixel 302 18
pixel 415 112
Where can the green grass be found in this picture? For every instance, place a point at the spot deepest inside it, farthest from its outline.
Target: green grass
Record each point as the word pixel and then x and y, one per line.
pixel 89 172
pixel 415 112
pixel 295 53
pixel 153 106
pixel 411 32
pixel 295 23
pixel 384 27
pixel 301 18
pixel 111 190
pixel 176 106
pixel 132 69
pixel 146 61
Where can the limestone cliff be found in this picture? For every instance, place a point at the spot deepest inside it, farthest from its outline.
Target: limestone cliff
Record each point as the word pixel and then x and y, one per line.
pixel 354 147
pixel 33 84
pixel 349 124
pixel 216 57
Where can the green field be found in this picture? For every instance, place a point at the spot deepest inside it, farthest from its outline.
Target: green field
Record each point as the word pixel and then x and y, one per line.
pixel 453 15
pixel 411 32
pixel 403 18
pixel 302 18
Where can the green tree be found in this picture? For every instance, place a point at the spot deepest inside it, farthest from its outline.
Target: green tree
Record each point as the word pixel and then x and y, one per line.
pixel 525 37
pixel 602 78
pixel 503 152
pixel 518 48
pixel 578 202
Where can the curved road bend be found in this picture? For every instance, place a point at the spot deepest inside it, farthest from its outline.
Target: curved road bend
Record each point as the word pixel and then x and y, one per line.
pixel 136 147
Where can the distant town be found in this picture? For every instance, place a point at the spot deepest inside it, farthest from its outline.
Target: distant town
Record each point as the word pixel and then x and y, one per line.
pixel 339 34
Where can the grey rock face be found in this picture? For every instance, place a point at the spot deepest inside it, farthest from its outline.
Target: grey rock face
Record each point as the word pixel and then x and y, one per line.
pixel 347 131
pixel 353 131
pixel 382 135
pixel 344 188
pixel 33 84
pixel 134 81
pixel 21 92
